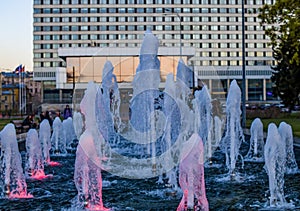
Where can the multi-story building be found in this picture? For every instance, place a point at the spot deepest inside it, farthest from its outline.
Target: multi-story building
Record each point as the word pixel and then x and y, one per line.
pixel 19 93
pixel 66 32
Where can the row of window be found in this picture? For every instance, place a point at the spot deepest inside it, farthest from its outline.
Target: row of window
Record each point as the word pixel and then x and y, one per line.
pixel 201 54
pixel 122 19
pixel 197 63
pixel 143 27
pixel 229 37
pixel 230 45
pixel 123 10
pixel 213 2
pixel 234 54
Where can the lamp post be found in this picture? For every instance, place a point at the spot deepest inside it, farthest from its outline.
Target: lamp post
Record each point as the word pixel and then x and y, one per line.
pixel 180 40
pixel 180 25
pixel 243 68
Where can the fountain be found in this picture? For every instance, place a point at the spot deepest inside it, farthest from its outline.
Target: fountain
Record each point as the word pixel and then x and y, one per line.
pixel 234 136
pixel 191 176
pixel 12 183
pixel 256 149
pixel 286 133
pixel 69 133
pixel 275 161
pixel 204 112
pixel 78 124
pixel 34 156
pixel 58 140
pixel 140 164
pixel 45 137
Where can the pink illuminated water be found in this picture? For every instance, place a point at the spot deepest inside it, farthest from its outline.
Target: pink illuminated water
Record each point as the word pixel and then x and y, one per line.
pixel 191 176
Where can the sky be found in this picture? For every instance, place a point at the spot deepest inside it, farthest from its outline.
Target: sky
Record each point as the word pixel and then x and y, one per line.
pixel 16 18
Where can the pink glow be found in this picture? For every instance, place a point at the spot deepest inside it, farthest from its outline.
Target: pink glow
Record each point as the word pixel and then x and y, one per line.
pixel 53 163
pixel 97 207
pixel 22 195
pixel 39 175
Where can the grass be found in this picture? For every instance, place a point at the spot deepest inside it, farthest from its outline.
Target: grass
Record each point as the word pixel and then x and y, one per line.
pixel 292 119
pixel 4 122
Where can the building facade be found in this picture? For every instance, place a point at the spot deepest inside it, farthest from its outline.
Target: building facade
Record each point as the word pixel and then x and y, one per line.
pixel 19 93
pixel 212 27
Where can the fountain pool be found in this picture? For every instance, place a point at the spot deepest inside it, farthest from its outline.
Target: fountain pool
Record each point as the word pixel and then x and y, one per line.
pixel 58 192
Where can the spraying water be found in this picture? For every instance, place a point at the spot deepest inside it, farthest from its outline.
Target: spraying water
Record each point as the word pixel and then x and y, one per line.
pixel 234 133
pixel 275 161
pixel 87 175
pixel 45 138
pixel 69 133
pixel 34 155
pixel 78 124
pixel 256 150
pixel 286 133
pixel 204 109
pixel 58 140
pixel 191 176
pixel 13 183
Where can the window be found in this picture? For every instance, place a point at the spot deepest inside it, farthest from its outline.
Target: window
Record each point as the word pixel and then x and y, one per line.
pixel 65 28
pixel 74 28
pixel 56 19
pixel 56 10
pixel 84 37
pixel 84 28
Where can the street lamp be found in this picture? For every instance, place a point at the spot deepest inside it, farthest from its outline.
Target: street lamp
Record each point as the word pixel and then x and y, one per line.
pixel 169 12
pixel 243 68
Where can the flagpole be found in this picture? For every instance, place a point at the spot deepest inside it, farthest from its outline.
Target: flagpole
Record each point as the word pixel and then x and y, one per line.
pixel 20 94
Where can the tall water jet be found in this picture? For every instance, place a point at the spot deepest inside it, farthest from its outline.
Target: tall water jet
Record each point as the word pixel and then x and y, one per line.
pixel 87 175
pixel 256 148
pixel 286 133
pixel 13 183
pixel 34 157
pixel 191 176
pixel 275 161
pixel 171 130
pixel 78 124
pixel 144 107
pixel 204 113
pixel 234 133
pixel 58 140
pixel 45 138
pixel 217 135
pixel 111 94
pixel 69 133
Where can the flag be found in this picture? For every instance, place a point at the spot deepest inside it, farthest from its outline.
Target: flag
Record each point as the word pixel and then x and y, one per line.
pixel 18 69
pixel 22 69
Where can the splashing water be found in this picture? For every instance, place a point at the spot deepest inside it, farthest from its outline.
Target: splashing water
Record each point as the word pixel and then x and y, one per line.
pixel 230 144
pixel 45 138
pixel 204 110
pixel 87 175
pixel 69 133
pixel 286 133
pixel 13 184
pixel 58 140
pixel 256 150
pixel 275 160
pixel 34 164
pixel 191 176
pixel 78 124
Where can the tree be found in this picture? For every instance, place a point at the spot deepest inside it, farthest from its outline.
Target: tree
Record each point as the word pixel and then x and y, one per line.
pixel 282 25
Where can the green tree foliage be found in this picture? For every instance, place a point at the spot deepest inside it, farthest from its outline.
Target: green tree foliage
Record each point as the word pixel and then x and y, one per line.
pixel 282 25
